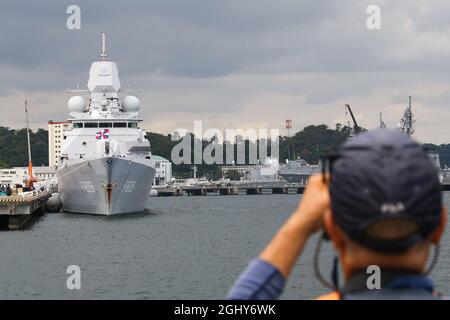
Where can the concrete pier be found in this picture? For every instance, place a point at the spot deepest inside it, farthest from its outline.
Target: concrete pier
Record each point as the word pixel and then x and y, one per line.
pixel 241 187
pixel 16 211
pixel 253 190
pixel 282 190
pixel 168 192
pixel 250 188
pixel 226 191
pixel 208 189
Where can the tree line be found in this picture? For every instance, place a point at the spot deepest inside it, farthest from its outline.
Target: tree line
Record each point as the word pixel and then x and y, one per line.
pixel 311 144
pixel 14 147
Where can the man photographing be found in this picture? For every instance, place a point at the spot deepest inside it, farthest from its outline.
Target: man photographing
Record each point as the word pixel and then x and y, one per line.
pixel 380 204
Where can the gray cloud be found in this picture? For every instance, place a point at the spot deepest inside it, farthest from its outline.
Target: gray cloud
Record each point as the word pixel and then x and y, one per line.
pixel 235 63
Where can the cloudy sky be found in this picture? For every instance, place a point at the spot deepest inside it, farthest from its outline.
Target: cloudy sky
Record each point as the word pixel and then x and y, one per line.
pixel 235 63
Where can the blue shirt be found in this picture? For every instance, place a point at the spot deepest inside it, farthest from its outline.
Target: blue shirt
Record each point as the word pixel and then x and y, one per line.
pixel 260 281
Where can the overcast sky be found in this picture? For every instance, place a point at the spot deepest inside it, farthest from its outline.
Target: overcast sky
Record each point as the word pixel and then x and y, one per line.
pixel 235 63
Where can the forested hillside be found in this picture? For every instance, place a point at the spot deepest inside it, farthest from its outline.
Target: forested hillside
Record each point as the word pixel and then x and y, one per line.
pixel 14 150
pixel 311 144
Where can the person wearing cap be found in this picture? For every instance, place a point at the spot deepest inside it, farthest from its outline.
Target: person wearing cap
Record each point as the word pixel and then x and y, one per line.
pixel 380 204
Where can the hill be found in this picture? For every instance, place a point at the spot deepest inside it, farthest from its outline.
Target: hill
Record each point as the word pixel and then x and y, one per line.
pixel 311 144
pixel 14 150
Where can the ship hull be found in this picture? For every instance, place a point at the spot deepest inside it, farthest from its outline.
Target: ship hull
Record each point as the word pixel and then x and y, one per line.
pixel 105 186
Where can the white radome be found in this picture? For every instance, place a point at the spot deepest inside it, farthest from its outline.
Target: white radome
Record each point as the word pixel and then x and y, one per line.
pixel 130 104
pixel 76 104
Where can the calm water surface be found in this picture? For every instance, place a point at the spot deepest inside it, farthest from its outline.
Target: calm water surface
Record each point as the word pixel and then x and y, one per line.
pixel 181 248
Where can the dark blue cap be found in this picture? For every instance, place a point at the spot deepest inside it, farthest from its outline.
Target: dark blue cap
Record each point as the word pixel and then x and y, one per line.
pixel 385 191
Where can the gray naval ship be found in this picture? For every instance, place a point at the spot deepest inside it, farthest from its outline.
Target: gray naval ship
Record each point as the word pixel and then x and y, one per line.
pixel 293 171
pixel 298 171
pixel 106 164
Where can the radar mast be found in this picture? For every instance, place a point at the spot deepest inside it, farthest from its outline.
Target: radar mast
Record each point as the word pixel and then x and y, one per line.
pixel 406 124
pixel 103 55
pixel 382 124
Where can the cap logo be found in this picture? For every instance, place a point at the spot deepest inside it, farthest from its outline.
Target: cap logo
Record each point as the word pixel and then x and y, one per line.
pixel 392 208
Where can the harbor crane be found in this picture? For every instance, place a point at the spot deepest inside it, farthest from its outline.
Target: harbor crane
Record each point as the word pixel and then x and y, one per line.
pixel 356 128
pixel 31 179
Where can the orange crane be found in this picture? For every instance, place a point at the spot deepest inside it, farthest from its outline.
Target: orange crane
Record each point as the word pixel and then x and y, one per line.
pixel 31 179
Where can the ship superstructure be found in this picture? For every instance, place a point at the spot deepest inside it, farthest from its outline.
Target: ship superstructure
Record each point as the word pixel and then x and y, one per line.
pixel 298 171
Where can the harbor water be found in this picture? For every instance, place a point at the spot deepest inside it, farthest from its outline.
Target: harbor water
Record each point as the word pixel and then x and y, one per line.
pixel 181 248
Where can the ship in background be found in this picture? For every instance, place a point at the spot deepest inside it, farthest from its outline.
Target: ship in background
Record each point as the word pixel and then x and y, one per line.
pixel 106 163
pixel 270 170
pixel 267 171
pixel 406 125
pixel 295 170
pixel 298 171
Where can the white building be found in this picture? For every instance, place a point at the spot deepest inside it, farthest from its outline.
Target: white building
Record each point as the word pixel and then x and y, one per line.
pixel 55 137
pixel 19 175
pixel 163 174
pixel 43 173
pixel 11 176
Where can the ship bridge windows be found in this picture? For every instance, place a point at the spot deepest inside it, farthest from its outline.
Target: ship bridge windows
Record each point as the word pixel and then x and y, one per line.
pixel 91 125
pixel 105 125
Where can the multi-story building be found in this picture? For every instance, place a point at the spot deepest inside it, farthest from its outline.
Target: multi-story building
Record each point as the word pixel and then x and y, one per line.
pixel 163 175
pixel 55 137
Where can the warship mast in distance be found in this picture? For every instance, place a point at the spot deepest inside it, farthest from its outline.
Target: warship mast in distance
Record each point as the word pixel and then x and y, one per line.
pixel 382 124
pixel 406 124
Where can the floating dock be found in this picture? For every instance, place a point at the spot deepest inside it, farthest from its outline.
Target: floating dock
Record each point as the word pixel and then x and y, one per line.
pixel 16 210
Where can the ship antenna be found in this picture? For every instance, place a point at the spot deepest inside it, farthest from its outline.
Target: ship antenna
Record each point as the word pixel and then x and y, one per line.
pixel 103 55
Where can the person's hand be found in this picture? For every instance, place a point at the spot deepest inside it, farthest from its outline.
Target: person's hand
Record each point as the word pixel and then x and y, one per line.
pixel 314 203
pixel 288 243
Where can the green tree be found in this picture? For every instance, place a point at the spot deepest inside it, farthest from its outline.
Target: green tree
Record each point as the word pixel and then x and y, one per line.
pixel 14 147
pixel 311 143
pixel 3 164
